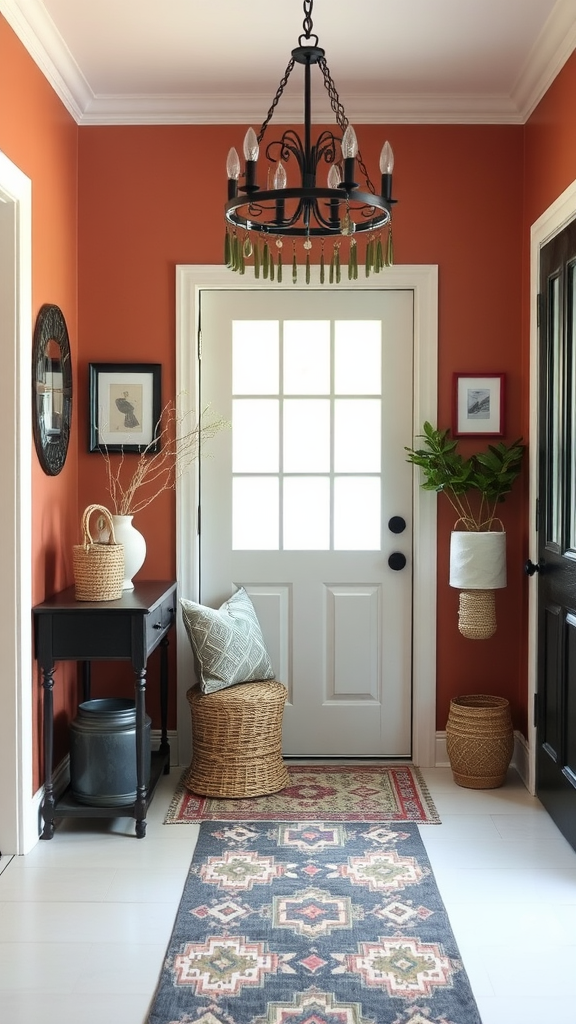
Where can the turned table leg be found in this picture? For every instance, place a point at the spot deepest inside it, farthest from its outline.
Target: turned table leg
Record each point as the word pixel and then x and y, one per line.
pixel 141 760
pixel 48 801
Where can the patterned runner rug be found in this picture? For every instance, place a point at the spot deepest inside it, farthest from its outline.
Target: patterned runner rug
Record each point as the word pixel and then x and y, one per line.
pixel 312 923
pixel 334 792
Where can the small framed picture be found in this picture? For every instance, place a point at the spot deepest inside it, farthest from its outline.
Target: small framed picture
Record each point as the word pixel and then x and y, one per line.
pixel 125 407
pixel 478 404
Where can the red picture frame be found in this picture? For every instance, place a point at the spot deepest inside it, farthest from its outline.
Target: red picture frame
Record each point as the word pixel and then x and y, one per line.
pixel 478 404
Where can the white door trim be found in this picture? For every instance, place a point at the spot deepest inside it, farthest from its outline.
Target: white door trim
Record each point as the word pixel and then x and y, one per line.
pixel 19 824
pixel 550 223
pixel 423 281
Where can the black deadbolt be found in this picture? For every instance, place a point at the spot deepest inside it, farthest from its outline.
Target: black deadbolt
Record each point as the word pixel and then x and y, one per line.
pixel 397 560
pixel 396 524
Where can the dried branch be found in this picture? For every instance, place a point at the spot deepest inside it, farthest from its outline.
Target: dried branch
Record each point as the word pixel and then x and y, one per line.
pixel 156 471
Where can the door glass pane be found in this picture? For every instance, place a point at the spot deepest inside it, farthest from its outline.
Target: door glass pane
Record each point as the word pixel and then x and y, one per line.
pixel 306 357
pixel 306 435
pixel 255 435
pixel 306 513
pixel 255 507
pixel 571 328
pixel 555 409
pixel 357 357
pixel 357 513
pixel 255 360
pixel 357 435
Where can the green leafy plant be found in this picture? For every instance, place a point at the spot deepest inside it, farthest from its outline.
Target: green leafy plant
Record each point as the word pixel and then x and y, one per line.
pixel 474 486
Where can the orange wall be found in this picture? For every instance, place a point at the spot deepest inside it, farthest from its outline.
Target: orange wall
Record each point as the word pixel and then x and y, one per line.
pixel 41 138
pixel 152 197
pixel 550 139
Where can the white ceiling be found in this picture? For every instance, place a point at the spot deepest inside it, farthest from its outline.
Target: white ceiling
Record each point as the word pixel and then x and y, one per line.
pixel 220 61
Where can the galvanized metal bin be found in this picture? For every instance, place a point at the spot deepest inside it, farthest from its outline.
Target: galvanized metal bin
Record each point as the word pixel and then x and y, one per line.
pixel 103 752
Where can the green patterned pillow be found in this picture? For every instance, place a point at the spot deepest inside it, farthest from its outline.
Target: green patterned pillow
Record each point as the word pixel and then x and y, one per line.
pixel 227 643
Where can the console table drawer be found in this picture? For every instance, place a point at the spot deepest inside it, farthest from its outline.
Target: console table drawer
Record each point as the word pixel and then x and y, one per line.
pixel 159 621
pixel 74 638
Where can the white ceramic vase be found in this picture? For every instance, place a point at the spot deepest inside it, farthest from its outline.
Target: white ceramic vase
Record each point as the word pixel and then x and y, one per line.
pixel 134 547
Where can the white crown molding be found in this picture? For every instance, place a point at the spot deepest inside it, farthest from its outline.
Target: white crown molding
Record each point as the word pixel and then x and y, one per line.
pixel 554 46
pixel 37 32
pixel 374 109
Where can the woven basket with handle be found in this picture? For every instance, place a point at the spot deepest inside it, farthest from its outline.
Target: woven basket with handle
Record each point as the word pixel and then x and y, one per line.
pixel 98 568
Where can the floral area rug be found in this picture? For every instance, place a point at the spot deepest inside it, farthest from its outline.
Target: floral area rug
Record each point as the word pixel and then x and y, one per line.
pixel 312 922
pixel 334 792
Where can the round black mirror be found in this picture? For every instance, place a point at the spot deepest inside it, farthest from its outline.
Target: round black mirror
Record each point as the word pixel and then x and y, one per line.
pixel 51 388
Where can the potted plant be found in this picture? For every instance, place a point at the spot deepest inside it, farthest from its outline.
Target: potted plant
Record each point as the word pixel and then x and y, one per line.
pixel 474 486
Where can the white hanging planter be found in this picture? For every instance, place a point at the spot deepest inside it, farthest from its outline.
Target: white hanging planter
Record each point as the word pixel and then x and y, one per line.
pixel 477 569
pixel 477 560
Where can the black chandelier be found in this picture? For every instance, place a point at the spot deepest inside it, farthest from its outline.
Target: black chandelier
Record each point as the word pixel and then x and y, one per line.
pixel 338 210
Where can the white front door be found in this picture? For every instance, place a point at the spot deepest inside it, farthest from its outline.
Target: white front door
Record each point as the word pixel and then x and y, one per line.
pixel 301 498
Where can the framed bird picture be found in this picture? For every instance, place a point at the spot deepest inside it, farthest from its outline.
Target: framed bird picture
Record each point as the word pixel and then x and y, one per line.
pixel 125 407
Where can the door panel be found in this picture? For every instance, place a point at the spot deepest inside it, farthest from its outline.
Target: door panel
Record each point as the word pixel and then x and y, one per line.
pixel 556 688
pixel 296 499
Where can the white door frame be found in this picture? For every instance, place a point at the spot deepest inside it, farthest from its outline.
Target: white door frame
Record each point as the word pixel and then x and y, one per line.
pixel 550 223
pixel 423 281
pixel 19 820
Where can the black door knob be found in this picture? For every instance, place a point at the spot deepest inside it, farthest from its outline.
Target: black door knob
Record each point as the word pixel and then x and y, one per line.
pixel 397 561
pixel 397 524
pixel 531 567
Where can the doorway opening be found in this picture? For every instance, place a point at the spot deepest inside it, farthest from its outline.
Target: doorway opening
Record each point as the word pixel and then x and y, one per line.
pixel 18 824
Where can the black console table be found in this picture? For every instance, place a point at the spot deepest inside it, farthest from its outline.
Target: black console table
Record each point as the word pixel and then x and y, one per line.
pixel 128 629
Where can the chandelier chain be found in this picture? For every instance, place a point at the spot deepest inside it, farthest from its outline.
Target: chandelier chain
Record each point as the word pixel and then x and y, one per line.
pixel 307 23
pixel 276 99
pixel 340 115
pixel 335 102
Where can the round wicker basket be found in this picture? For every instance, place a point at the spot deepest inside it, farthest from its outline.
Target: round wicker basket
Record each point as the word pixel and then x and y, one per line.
pixel 479 740
pixel 237 740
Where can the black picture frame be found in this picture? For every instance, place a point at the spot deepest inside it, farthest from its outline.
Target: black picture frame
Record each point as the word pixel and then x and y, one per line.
pixel 134 426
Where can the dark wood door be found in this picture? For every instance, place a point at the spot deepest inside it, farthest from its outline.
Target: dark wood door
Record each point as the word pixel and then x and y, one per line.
pixel 556 686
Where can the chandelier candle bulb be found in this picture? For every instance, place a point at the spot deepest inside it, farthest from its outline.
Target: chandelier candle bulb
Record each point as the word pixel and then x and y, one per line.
pixel 334 180
pixel 349 144
pixel 386 168
pixel 233 172
pixel 349 152
pixel 251 152
pixel 280 182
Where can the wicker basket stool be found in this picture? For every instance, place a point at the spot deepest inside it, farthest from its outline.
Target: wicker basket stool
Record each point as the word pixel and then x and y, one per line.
pixel 237 740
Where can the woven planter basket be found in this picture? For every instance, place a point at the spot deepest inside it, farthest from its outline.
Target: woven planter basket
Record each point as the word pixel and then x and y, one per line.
pixel 477 614
pixel 237 740
pixel 479 740
pixel 98 568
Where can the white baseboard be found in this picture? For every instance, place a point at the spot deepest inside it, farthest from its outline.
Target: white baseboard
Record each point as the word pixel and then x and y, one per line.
pixel 441 760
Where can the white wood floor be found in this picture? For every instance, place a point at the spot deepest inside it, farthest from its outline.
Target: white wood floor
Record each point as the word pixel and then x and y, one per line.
pixel 85 918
